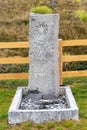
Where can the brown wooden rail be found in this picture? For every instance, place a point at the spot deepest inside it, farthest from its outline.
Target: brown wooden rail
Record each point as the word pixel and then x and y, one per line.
pixel 71 58
pixel 24 60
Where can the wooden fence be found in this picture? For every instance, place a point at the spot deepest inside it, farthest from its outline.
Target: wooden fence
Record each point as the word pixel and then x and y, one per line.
pixel 71 58
pixel 24 60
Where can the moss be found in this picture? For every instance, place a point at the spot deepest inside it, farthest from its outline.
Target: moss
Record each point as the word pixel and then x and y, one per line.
pixel 41 10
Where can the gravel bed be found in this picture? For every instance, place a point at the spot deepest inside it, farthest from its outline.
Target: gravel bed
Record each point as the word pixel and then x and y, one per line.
pixel 36 102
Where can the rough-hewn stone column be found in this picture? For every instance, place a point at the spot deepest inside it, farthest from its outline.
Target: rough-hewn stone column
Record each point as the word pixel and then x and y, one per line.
pixel 44 56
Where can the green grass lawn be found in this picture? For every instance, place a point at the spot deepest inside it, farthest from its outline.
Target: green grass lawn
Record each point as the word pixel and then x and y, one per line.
pixel 79 89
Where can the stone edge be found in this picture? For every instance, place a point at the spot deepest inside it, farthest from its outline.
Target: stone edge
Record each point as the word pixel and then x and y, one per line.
pixel 17 116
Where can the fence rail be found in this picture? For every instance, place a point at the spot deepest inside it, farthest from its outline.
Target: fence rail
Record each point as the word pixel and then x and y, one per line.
pixel 74 58
pixel 24 60
pixel 71 58
pixel 14 60
pixel 14 45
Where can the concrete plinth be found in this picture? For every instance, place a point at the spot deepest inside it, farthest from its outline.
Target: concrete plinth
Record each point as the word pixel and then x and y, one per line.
pixel 40 116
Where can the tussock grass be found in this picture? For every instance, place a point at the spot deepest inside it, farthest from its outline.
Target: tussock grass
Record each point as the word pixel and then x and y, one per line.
pixel 82 14
pixel 41 10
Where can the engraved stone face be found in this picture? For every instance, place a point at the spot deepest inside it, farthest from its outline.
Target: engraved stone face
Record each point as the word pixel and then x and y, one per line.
pixel 44 53
pixel 37 54
pixel 40 30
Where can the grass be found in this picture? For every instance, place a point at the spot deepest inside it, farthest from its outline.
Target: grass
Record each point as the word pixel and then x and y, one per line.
pixel 75 81
pixel 78 1
pixel 13 83
pixel 41 10
pixel 51 125
pixel 79 89
pixel 82 14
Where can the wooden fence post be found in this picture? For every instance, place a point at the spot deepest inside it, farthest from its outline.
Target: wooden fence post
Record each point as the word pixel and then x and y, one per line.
pixel 60 60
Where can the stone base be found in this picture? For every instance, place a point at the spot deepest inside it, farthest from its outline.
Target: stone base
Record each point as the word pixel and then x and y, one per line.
pixel 39 116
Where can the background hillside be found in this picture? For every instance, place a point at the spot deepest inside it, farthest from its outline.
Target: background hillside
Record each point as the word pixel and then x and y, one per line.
pixel 14 18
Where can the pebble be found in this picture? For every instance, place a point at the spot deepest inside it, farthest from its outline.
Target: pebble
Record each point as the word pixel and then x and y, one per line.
pixel 29 104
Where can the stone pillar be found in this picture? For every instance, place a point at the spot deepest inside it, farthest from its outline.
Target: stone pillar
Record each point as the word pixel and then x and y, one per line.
pixel 44 55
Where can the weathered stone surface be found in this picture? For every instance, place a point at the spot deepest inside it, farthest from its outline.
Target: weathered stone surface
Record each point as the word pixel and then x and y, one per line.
pixel 34 96
pixel 48 96
pixel 15 115
pixel 44 56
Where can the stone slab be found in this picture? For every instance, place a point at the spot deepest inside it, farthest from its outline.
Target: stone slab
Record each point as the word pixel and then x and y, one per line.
pixel 35 97
pixel 40 116
pixel 43 53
